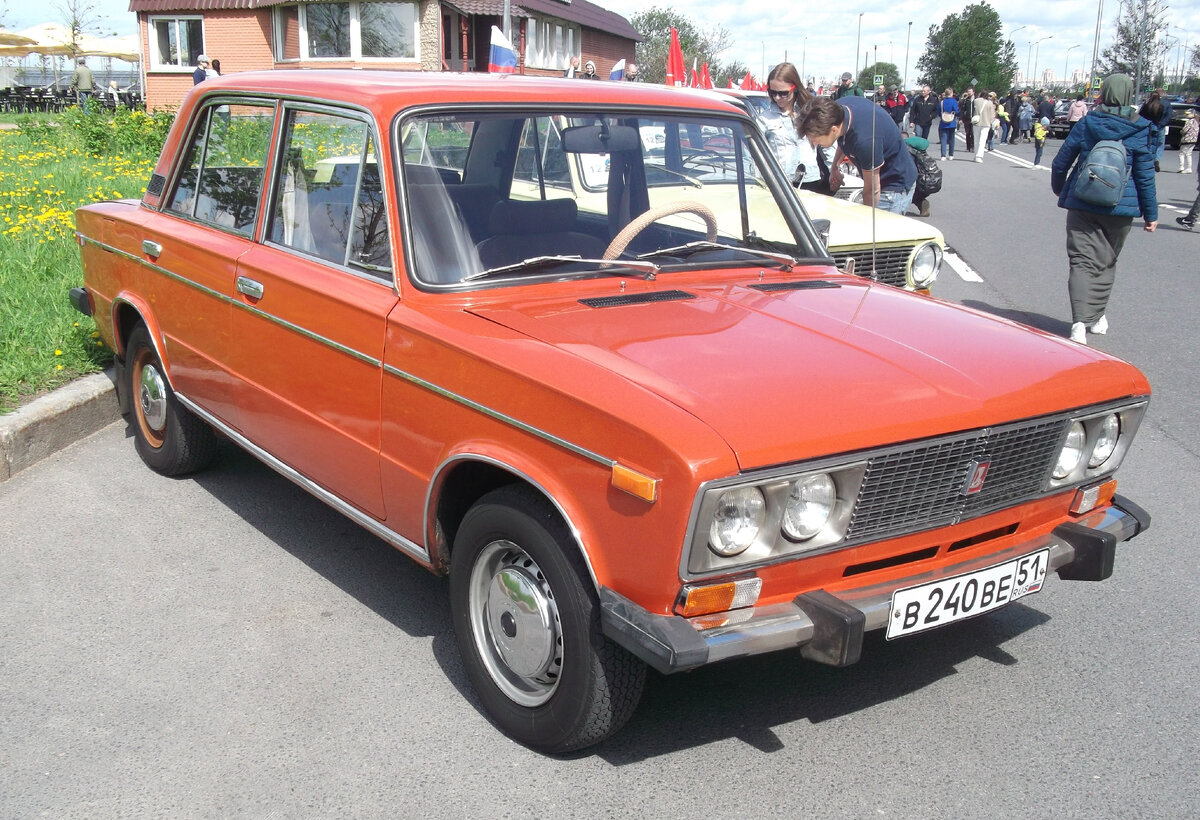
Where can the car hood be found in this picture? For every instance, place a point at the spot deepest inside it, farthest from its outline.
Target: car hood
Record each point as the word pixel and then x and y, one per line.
pixel 793 374
pixel 850 224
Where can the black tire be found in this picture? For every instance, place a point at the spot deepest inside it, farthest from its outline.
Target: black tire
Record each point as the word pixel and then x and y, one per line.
pixel 169 437
pixel 544 671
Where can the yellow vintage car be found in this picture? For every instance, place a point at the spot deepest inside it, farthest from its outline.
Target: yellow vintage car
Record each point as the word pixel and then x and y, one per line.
pixel 892 249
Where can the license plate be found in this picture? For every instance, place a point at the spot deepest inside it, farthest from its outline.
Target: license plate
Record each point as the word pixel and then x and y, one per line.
pixel 937 603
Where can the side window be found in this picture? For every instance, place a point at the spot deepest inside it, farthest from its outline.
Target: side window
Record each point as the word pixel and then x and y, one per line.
pixel 543 141
pixel 222 175
pixel 329 200
pixel 442 146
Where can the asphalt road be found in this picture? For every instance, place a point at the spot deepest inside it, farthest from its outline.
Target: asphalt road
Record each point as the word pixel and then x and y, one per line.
pixel 225 645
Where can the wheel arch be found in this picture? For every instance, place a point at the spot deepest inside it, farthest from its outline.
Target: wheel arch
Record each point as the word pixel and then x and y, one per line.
pixel 128 311
pixel 461 481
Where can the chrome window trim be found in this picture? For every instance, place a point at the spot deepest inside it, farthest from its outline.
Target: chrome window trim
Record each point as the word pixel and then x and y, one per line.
pixel 845 460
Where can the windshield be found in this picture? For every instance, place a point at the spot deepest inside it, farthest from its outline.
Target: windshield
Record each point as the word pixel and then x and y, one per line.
pixel 487 193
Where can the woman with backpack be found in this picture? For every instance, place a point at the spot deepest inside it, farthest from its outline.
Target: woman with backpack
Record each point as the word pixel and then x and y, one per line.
pixel 1104 177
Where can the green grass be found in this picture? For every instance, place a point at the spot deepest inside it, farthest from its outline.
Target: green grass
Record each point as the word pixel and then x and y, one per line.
pixel 49 166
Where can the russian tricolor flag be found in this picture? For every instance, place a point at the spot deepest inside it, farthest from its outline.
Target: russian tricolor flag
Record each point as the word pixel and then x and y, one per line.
pixel 618 70
pixel 503 58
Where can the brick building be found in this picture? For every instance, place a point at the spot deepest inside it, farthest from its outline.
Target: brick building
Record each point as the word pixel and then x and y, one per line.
pixel 415 35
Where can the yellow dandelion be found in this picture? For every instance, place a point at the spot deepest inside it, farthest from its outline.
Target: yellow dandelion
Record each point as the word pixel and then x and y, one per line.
pixel 57 352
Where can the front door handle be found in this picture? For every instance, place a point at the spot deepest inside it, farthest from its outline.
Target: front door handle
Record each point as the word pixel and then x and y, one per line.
pixel 151 248
pixel 249 287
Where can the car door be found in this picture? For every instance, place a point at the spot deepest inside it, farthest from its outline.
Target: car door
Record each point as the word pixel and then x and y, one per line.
pixel 311 308
pixel 194 242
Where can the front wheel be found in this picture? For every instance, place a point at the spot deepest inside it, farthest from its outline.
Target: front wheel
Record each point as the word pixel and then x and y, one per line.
pixel 168 436
pixel 527 623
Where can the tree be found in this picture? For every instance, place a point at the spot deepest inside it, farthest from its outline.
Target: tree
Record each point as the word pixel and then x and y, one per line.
pixel 967 48
pixel 866 77
pixel 654 24
pixel 1140 27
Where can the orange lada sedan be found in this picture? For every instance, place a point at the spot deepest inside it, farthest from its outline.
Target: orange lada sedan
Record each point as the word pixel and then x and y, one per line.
pixel 652 427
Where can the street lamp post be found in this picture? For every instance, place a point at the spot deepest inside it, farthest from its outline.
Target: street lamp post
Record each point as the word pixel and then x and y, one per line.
pixel 907 41
pixel 803 53
pixel 1066 63
pixel 1033 71
pixel 858 45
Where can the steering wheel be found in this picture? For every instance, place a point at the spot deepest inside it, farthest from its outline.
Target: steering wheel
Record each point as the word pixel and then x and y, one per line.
pixel 644 220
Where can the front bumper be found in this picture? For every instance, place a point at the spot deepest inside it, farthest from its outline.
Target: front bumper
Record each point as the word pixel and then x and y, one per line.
pixel 829 627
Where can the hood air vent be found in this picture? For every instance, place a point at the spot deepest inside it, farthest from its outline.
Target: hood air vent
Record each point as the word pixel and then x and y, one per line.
pixel 808 284
pixel 637 298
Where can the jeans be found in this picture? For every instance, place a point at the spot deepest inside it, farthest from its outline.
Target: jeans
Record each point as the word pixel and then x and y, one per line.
pixel 1003 131
pixel 947 135
pixel 922 130
pixel 897 201
pixel 1037 154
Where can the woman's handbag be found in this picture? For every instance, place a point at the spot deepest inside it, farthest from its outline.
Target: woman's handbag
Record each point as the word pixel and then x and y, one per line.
pixel 947 116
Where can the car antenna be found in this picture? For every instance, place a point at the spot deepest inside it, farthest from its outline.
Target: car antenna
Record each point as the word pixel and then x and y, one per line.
pixel 874 182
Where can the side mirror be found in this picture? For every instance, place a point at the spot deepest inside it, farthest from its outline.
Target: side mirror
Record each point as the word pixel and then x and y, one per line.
pixel 822 226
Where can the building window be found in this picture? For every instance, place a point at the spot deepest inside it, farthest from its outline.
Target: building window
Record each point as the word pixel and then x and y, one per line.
pixel 371 29
pixel 551 43
pixel 176 42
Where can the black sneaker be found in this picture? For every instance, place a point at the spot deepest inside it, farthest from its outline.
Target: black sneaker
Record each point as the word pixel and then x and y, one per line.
pixel 1185 222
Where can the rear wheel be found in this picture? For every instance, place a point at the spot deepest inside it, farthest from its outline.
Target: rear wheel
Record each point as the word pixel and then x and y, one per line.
pixel 168 436
pixel 527 623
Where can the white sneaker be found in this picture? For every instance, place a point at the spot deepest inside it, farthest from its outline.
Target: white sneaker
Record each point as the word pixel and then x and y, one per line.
pixel 979 159
pixel 1100 326
pixel 1079 333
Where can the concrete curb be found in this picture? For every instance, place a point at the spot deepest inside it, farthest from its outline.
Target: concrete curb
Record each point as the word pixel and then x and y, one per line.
pixel 51 422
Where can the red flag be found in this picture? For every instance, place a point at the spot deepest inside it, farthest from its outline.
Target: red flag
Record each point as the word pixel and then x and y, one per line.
pixel 675 68
pixel 694 82
pixel 747 82
pixel 705 80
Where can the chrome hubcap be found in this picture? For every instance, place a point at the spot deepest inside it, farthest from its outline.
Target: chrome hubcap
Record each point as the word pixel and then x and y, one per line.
pixel 152 397
pixel 515 623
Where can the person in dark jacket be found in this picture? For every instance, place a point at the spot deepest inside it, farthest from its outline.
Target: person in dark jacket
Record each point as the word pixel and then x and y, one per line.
pixel 923 111
pixel 1158 111
pixel 1096 234
pixel 966 104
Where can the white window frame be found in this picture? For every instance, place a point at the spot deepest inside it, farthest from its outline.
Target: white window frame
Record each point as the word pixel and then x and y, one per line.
pixel 152 39
pixel 550 43
pixel 355 34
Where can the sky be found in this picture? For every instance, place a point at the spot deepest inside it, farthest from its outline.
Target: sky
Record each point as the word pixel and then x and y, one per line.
pixel 822 38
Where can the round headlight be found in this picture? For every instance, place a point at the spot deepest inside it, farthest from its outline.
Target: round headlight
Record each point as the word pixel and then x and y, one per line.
pixel 808 507
pixel 926 263
pixel 1106 440
pixel 737 520
pixel 1072 451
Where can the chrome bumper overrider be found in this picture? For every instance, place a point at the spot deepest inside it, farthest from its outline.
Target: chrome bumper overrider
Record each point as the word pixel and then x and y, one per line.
pixel 828 627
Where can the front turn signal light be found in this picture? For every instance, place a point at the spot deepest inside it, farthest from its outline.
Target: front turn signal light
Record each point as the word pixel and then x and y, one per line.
pixel 709 598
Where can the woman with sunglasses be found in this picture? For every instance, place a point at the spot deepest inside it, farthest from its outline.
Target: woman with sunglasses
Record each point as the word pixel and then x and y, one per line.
pixel 795 153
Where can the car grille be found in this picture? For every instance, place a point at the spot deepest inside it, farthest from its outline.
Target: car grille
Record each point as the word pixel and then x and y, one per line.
pixel 891 263
pixel 925 485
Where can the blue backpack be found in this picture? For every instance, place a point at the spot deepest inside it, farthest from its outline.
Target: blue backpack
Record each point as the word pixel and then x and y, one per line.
pixel 1103 172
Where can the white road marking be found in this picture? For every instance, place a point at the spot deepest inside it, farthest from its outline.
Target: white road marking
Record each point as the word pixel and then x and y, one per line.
pixel 957 264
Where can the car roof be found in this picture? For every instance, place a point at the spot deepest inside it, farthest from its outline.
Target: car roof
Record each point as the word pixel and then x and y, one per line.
pixel 392 90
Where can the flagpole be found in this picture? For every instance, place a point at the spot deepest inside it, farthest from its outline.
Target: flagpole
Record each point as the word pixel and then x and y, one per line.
pixel 508 19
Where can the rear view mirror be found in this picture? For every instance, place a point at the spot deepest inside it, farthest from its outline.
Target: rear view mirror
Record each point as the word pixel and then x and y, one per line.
pixel 600 139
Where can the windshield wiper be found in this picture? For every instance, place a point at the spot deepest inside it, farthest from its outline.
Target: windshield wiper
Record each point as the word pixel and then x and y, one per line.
pixel 612 267
pixel 788 262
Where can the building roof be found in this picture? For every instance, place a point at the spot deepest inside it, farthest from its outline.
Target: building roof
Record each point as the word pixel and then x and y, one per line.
pixel 574 11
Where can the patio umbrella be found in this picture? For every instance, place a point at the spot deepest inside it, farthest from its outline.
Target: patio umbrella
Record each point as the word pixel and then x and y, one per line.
pixel 11 38
pixel 49 38
pixel 121 48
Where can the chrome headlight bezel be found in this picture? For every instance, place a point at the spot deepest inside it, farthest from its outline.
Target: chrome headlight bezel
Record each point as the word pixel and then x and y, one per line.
pixel 1099 454
pixel 772 541
pixel 924 265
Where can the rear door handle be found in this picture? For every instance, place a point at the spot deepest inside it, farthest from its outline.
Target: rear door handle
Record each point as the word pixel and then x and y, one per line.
pixel 151 248
pixel 249 287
